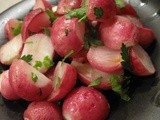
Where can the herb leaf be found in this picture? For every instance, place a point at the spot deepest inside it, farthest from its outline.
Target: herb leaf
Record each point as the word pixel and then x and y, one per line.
pixel 120 3
pixel 68 55
pixel 17 29
pixel 34 77
pixel 95 82
pixel 47 32
pixel 58 81
pixel 27 58
pixel 47 62
pixel 38 64
pixel 98 12
pixel 29 42
pixel 51 15
pixel 117 87
pixel 126 57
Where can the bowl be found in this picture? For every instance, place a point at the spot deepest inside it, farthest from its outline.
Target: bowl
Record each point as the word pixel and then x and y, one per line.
pixel 145 102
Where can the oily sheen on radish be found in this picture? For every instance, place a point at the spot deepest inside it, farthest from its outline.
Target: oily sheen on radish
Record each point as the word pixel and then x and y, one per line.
pixel 67 35
pixel 64 79
pixel 104 59
pixel 141 62
pixel 42 110
pixel 28 83
pixel 85 103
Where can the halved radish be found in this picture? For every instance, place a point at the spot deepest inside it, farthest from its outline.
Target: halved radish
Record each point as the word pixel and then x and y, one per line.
pixel 88 74
pixel 119 30
pixel 28 83
pixel 141 62
pixel 146 37
pixel 9 26
pixel 65 5
pixel 41 48
pixel 67 35
pixel 64 79
pixel 100 10
pixel 104 59
pixel 34 22
pixel 11 50
pixel 42 111
pixel 6 89
pixel 43 4
pixel 85 103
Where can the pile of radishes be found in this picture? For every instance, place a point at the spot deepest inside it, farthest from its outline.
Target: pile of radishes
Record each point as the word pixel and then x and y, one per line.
pixel 93 41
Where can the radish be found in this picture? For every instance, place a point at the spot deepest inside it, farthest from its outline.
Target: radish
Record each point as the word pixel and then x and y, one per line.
pixel 10 26
pixel 100 10
pixel 6 89
pixel 65 5
pixel 104 59
pixel 67 35
pixel 119 30
pixel 28 83
pixel 88 75
pixel 42 111
pixel 135 20
pixel 64 79
pixel 30 24
pixel 85 103
pixel 43 4
pixel 141 62
pixel 11 50
pixel 146 37
pixel 42 51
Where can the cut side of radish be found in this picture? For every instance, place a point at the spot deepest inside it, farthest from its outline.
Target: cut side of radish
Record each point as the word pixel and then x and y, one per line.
pixel 104 59
pixel 141 62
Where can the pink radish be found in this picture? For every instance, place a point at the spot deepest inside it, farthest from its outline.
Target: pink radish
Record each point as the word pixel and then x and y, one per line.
pixel 28 83
pixel 100 10
pixel 135 20
pixel 43 4
pixel 85 103
pixel 65 5
pixel 42 111
pixel 9 26
pixel 87 74
pixel 11 50
pixel 6 89
pixel 64 79
pixel 34 22
pixel 40 47
pixel 141 62
pixel 67 35
pixel 119 30
pixel 104 59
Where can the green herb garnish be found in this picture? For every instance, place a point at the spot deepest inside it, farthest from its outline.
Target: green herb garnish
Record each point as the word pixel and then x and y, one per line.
pixel 120 3
pixel 68 55
pixel 29 42
pixel 38 64
pixel 98 12
pixel 27 58
pixel 95 82
pixel 34 77
pixel 51 15
pixel 47 32
pixel 47 62
pixel 58 81
pixel 17 30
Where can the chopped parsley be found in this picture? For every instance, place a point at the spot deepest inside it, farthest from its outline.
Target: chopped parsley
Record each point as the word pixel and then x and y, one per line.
pixel 95 82
pixel 29 42
pixel 58 81
pixel 34 77
pixel 27 58
pixel 38 64
pixel 98 12
pixel 68 55
pixel 47 62
pixel 120 3
pixel 17 29
pixel 47 32
pixel 51 15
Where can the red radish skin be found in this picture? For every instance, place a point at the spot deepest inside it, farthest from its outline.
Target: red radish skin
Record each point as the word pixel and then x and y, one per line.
pixel 24 84
pixel 30 23
pixel 88 74
pixel 39 46
pixel 11 50
pixel 146 37
pixel 67 35
pixel 141 62
pixel 135 20
pixel 12 23
pixel 104 59
pixel 85 103
pixel 42 111
pixel 119 30
pixel 43 4
pixel 64 79
pixel 67 4
pixel 108 9
pixel 6 89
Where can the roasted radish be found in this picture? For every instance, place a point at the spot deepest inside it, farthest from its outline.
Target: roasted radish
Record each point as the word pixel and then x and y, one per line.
pixel 11 50
pixel 64 79
pixel 43 4
pixel 28 83
pixel 42 111
pixel 85 103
